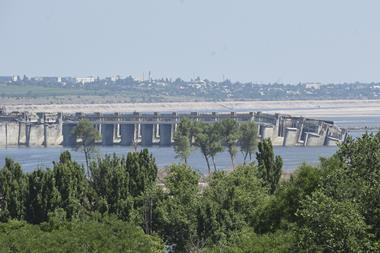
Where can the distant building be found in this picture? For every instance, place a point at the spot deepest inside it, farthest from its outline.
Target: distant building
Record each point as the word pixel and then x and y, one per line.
pixel 315 86
pixel 84 80
pixel 15 78
pixel 115 78
pixel 48 79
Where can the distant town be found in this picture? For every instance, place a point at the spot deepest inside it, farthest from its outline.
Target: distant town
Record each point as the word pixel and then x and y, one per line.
pixel 147 89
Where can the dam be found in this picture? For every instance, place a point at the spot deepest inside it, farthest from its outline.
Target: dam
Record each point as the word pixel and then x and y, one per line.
pixel 147 129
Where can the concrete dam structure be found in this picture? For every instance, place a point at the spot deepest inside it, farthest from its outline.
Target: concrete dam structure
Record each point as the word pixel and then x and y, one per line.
pixel 147 129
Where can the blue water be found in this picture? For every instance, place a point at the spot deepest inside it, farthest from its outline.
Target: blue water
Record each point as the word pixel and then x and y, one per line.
pixel 32 158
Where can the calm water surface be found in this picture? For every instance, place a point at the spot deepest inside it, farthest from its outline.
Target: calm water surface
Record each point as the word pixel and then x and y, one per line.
pixel 32 158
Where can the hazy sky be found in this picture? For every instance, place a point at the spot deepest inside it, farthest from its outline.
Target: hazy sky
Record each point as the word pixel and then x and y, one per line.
pixel 247 40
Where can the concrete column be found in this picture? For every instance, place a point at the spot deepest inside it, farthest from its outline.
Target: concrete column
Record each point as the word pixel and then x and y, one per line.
pixel 69 140
pixel 107 134
pixel 313 139
pixel 331 141
pixel 21 133
pixel 290 136
pixel 165 134
pixel 27 134
pixel 146 134
pixel 266 132
pixel 45 135
pixel 128 134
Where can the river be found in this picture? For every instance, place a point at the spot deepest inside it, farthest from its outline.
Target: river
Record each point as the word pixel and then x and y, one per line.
pixel 32 158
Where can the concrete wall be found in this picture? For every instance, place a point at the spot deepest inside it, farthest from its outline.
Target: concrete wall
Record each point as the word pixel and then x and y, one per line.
pixel 165 134
pixel 54 135
pixel 147 134
pixel 291 136
pixel 108 134
pixel 9 133
pixel 128 134
pixel 37 137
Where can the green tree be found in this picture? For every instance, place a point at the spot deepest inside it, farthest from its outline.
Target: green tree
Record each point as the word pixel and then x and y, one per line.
pixel 183 139
pixel 247 241
pixel 231 202
pixel 42 196
pixel 176 216
pixel 353 174
pixel 107 235
pixel 110 181
pixel 208 139
pixel 328 225
pixel 202 141
pixel 87 133
pixel 269 166
pixel 231 135
pixel 280 211
pixel 13 186
pixel 248 139
pixel 72 185
pixel 142 171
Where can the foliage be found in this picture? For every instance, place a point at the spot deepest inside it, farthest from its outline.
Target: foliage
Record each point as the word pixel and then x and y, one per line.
pixel 176 219
pixel 87 133
pixel 333 207
pixel 331 226
pixel 183 139
pixel 12 191
pixel 230 133
pixel 353 174
pixel 231 202
pixel 246 241
pixel 269 166
pixel 109 235
pixel 280 211
pixel 208 139
pixel 248 139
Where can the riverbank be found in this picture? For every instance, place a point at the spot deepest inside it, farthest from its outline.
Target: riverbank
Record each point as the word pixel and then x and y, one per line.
pixel 306 108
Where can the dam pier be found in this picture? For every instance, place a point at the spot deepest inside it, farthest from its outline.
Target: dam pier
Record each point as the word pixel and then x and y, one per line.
pixel 147 129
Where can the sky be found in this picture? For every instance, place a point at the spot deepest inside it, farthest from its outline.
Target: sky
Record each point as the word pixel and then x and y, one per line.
pixel 266 41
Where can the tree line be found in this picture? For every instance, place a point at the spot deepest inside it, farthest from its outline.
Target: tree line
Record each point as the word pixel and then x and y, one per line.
pixel 117 205
pixel 213 138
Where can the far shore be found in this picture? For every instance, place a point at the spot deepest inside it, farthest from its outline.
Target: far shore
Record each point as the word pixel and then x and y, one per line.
pixel 306 108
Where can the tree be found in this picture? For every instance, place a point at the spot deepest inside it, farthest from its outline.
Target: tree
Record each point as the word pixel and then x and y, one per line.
pixel 231 202
pixel 42 196
pixel 182 139
pixel 247 241
pixel 269 166
pixel 208 139
pixel 353 174
pixel 328 225
pixel 231 135
pixel 106 235
pixel 71 183
pixel 88 134
pixel 176 219
pixel 110 181
pixel 142 171
pixel 248 139
pixel 215 144
pixel 13 186
pixel 202 141
pixel 280 211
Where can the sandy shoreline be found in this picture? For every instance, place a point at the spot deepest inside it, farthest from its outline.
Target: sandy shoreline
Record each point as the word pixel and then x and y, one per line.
pixel 310 108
